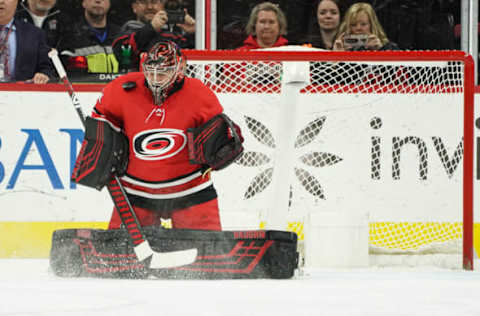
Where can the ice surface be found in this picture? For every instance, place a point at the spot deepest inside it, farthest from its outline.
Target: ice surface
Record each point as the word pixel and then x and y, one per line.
pixel 28 288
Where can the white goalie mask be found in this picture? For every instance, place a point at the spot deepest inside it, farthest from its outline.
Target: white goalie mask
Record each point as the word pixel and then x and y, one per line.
pixel 164 65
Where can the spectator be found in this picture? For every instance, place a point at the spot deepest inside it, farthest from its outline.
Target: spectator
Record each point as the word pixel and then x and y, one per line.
pixel 88 46
pixel 45 15
pixel 23 49
pixel 158 28
pixel 144 11
pixel 266 27
pixel 328 18
pixel 361 20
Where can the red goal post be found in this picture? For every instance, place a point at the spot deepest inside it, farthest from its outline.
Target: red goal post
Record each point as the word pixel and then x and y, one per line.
pixel 392 133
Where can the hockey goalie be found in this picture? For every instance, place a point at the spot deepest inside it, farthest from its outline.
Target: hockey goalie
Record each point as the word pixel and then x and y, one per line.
pixel 162 134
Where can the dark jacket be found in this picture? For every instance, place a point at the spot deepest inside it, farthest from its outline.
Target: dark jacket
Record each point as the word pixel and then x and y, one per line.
pixel 32 52
pixel 95 45
pixel 390 46
pixel 81 35
pixel 53 25
pixel 316 40
pixel 131 26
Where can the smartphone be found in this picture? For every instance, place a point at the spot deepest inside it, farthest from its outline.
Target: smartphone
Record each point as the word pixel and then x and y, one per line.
pixel 175 16
pixel 353 41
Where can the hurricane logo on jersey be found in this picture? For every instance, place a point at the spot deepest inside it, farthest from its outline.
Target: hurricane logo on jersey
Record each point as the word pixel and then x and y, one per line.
pixel 158 144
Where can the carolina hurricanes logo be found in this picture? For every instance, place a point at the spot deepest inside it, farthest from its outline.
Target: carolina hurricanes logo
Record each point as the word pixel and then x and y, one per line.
pixel 158 144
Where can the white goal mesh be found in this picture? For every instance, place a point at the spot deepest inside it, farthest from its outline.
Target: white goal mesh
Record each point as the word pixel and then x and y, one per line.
pixel 388 133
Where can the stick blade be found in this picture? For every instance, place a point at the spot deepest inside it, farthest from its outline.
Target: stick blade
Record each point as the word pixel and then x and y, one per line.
pixel 172 259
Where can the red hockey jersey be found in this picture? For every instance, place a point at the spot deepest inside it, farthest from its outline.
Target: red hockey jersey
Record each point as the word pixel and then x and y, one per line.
pixel 159 175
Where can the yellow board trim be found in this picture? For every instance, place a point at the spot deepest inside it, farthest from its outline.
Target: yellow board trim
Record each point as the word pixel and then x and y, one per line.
pixel 34 239
pixel 405 235
pixel 476 239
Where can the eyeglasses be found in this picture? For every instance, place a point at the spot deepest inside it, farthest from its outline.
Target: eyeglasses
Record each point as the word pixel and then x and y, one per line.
pixel 144 2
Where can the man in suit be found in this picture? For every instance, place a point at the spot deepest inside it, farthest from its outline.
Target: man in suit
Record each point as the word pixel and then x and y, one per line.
pixel 45 15
pixel 25 47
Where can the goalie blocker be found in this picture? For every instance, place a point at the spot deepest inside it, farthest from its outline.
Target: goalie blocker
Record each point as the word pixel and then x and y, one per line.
pixel 104 152
pixel 221 255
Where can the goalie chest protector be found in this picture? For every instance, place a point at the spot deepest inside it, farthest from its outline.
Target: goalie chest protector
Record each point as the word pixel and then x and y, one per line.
pixel 221 255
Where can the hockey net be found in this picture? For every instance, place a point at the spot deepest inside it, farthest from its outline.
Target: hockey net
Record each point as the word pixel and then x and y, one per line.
pixel 387 133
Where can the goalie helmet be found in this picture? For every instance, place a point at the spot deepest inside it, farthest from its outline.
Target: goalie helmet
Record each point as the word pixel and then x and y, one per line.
pixel 164 65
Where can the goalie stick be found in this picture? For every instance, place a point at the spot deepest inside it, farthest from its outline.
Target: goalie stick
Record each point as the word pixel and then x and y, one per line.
pixel 140 244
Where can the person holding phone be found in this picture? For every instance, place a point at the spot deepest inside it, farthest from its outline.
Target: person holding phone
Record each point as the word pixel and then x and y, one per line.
pixel 169 22
pixel 361 30
pixel 144 11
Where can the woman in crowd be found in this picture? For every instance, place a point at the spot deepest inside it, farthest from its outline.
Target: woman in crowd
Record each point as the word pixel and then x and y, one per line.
pixel 361 30
pixel 328 18
pixel 266 27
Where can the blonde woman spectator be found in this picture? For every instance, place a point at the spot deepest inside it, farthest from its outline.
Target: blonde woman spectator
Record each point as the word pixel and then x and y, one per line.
pixel 266 26
pixel 328 18
pixel 361 30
